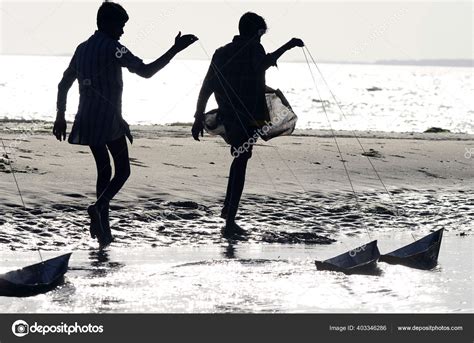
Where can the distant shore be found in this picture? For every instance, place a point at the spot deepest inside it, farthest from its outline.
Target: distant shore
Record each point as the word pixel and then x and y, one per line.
pixel 461 63
pixel 440 62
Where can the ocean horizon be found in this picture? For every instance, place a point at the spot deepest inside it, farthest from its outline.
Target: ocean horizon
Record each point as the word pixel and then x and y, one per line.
pixel 373 97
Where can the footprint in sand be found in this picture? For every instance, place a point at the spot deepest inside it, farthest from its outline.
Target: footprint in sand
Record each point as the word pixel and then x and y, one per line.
pixel 427 173
pixel 372 153
pixel 178 166
pixel 74 195
pixel 137 163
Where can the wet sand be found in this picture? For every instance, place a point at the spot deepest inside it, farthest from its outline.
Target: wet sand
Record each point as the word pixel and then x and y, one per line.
pixel 170 256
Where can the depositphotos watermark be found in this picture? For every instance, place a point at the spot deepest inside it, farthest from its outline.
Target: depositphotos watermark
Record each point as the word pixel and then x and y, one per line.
pixel 355 251
pixel 469 152
pixel 20 328
pixel 260 132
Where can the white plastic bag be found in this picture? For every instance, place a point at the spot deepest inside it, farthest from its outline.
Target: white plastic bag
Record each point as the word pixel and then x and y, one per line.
pixel 282 119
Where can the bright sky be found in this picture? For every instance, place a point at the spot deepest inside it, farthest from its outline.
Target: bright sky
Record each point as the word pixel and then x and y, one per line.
pixel 333 30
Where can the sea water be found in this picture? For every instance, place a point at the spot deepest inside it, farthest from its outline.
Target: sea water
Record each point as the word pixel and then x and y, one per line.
pixel 242 277
pixel 372 97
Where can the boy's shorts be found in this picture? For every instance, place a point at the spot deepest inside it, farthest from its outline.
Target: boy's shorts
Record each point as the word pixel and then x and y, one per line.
pixel 242 139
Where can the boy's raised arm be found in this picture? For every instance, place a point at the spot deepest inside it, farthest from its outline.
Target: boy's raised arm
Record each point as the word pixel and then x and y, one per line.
pixel 270 59
pixel 181 43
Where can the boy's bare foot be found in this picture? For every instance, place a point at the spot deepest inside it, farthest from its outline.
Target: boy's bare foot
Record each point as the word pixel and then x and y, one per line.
pixel 96 229
pixel 104 216
pixel 105 241
pixel 107 237
pixel 232 229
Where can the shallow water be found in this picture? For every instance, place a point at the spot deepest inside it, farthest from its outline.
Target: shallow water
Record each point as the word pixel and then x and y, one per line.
pixel 248 277
pixel 171 256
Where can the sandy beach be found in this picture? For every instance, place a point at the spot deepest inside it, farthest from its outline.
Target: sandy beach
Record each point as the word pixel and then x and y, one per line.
pixel 297 205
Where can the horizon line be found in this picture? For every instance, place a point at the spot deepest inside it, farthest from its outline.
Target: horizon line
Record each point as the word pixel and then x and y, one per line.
pixel 434 62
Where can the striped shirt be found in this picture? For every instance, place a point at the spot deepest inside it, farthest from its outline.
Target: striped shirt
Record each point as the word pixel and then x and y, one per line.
pixel 97 65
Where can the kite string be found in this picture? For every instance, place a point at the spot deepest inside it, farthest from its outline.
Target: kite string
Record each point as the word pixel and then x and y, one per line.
pixel 18 188
pixel 335 140
pixel 13 173
pixel 21 196
pixel 395 207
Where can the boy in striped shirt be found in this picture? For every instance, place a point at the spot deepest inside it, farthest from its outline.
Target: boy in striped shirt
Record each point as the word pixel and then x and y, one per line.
pixel 97 65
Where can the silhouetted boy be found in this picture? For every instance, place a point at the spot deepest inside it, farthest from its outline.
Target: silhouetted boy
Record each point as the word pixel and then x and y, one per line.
pixel 237 79
pixel 97 65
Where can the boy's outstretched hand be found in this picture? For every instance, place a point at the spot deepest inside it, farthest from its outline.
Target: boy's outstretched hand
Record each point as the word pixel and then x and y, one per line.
pixel 296 42
pixel 182 42
pixel 59 129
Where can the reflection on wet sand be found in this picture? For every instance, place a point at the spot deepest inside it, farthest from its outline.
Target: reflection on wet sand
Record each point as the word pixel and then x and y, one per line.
pixel 248 277
pixel 229 250
pixel 101 264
